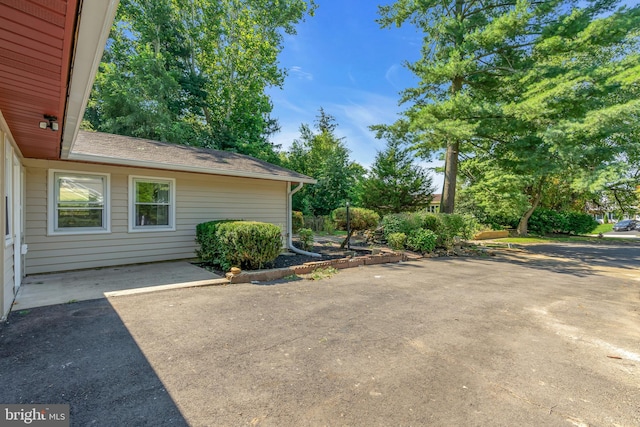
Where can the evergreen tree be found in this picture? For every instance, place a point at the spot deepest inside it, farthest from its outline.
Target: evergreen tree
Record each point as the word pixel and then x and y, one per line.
pixel 323 156
pixel 395 182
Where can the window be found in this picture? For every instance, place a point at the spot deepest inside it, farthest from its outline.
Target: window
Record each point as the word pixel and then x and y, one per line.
pixel 152 205
pixel 78 203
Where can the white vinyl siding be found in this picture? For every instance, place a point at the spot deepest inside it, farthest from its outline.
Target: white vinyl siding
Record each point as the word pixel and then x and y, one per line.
pixel 151 204
pixel 198 198
pixel 77 202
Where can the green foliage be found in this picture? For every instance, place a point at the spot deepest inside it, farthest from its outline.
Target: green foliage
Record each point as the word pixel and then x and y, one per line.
pixel 546 221
pixel 306 238
pixel 422 240
pixel 245 244
pixel 248 244
pixel 580 223
pixel 395 183
pixel 328 226
pixel 297 221
pixel 359 218
pixel 322 273
pixel 444 226
pixel 208 239
pixel 196 72
pixel 325 157
pixel 538 96
pixel 396 241
pixel 402 223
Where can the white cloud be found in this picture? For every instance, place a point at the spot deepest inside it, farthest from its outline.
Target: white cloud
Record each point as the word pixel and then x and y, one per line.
pixel 299 73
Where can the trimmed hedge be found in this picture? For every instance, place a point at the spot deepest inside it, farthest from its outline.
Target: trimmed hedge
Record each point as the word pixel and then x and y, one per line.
pixel 359 218
pixel 244 244
pixel 207 238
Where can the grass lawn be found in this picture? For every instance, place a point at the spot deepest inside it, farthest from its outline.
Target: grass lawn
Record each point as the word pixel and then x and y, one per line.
pixel 603 228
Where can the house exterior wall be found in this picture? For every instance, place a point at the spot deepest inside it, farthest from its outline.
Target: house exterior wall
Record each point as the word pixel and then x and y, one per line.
pixel 199 198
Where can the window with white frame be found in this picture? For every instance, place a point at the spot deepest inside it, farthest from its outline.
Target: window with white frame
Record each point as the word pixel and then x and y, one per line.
pixel 152 204
pixel 78 202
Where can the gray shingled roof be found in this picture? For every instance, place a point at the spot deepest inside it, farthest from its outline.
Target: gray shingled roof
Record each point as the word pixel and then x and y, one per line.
pixel 129 151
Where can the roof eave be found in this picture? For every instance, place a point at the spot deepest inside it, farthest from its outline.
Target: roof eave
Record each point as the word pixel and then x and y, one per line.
pixel 183 168
pixel 90 45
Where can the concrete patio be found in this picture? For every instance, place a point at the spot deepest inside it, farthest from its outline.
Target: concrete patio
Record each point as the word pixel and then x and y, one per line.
pixel 79 285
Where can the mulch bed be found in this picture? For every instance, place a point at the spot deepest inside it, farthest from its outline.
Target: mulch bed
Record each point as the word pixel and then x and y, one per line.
pixel 328 248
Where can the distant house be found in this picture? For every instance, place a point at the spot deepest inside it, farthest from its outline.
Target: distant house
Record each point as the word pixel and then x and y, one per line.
pixel 76 200
pixel 434 205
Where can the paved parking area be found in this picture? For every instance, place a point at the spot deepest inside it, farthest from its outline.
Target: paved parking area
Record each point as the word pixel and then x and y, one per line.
pixel 473 341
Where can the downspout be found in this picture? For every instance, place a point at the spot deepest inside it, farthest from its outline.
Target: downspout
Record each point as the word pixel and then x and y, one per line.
pixel 290 246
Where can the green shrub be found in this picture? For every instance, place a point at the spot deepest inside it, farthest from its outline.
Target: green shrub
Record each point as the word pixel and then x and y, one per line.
pixel 248 244
pixel 445 226
pixel 404 222
pixel 306 238
pixel 359 218
pixel 455 225
pixel 297 221
pixel 422 240
pixel 207 238
pixel 580 223
pixel 546 221
pixel 397 241
pixel 328 225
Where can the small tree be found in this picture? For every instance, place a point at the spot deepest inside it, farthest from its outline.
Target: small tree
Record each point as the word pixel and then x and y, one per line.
pixel 360 219
pixel 395 183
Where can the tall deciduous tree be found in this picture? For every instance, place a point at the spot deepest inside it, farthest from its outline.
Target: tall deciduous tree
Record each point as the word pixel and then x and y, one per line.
pixel 396 183
pixel 325 157
pixel 195 71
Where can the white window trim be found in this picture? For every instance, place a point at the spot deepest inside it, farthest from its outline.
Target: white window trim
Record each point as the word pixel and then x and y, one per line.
pixel 132 205
pixel 51 205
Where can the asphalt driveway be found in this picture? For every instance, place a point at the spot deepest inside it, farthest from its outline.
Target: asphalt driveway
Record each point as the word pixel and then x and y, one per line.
pixel 520 339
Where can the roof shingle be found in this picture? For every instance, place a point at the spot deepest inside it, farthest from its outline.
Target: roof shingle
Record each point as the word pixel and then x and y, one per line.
pixel 129 151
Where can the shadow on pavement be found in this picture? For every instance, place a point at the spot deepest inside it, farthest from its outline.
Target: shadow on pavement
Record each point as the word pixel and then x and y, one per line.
pixel 82 354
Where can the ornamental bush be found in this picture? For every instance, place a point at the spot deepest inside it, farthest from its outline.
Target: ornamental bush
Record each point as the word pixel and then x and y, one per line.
pixel 244 244
pixel 359 218
pixel 207 238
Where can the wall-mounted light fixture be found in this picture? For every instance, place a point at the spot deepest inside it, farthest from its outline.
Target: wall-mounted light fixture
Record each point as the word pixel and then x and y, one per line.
pixel 52 123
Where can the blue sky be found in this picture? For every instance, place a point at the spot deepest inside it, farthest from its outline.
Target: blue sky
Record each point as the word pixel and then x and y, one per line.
pixel 342 61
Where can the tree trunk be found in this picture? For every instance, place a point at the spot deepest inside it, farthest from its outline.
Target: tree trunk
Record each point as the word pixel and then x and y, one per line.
pixel 447 203
pixel 344 242
pixel 523 225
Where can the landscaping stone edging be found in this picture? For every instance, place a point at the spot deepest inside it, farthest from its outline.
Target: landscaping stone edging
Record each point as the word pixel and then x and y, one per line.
pixel 309 267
